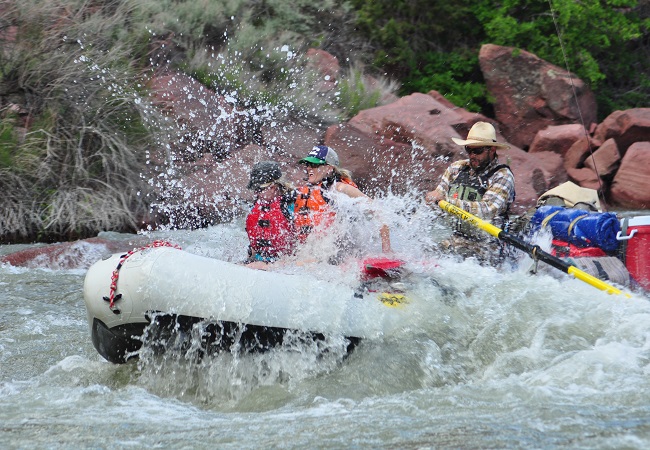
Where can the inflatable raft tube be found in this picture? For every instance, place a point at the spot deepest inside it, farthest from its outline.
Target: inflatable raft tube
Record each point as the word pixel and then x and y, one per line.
pixel 165 289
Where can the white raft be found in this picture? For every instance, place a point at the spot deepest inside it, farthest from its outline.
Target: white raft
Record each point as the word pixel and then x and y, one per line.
pixel 251 308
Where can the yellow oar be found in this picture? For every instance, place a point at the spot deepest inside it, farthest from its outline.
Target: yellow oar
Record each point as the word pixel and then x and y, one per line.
pixel 532 250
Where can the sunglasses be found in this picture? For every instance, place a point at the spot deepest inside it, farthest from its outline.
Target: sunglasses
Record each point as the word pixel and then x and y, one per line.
pixel 475 150
pixel 262 188
pixel 313 165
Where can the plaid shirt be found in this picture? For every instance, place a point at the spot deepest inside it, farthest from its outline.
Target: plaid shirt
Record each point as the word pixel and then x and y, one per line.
pixel 499 195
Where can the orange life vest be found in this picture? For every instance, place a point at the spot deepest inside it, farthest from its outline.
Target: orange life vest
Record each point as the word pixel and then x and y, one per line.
pixel 312 209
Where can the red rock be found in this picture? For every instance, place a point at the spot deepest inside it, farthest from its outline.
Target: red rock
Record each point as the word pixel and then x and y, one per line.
pixel 631 184
pixel 469 118
pixel 606 160
pixel 532 94
pixel 71 255
pixel 557 138
pixel 552 166
pixel 534 174
pixel 626 127
pixel 380 164
pixel 290 139
pixel 401 146
pixel 585 177
pixel 406 146
pixel 217 190
pixel 576 155
pixel 205 120
pixel 324 63
pixel 413 114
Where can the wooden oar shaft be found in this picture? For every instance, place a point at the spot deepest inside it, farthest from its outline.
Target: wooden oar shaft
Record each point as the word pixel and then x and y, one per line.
pixel 533 250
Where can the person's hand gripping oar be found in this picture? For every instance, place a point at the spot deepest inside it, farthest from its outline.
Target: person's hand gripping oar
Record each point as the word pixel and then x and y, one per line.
pixel 533 250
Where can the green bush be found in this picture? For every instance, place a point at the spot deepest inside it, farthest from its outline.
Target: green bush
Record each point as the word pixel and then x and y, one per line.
pixel 433 45
pixel 455 75
pixel 596 39
pixel 358 91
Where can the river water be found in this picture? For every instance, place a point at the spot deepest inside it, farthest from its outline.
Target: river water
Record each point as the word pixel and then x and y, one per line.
pixel 487 359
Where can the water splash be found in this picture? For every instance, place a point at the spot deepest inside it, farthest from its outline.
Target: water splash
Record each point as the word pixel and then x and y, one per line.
pixel 182 367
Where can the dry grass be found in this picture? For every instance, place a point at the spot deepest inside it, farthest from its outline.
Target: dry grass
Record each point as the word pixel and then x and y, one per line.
pixel 77 67
pixel 77 171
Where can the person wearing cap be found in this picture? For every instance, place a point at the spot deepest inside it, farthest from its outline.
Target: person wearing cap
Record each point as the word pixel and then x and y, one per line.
pixel 479 184
pixel 269 224
pixel 325 176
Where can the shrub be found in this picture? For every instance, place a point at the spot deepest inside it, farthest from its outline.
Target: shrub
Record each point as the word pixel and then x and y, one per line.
pixel 598 40
pixel 77 169
pixel 358 91
pixel 455 75
pixel 604 42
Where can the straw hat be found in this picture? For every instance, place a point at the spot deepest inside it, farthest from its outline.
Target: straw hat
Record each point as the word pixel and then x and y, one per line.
pixel 482 134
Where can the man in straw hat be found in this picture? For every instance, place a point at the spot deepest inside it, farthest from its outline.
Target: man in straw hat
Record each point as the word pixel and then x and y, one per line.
pixel 479 185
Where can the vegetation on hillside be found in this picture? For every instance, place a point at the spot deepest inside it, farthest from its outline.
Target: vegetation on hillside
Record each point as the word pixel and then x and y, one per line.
pixel 73 139
pixel 434 45
pixel 76 127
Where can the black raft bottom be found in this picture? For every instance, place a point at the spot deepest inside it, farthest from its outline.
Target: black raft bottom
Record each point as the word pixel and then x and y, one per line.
pixel 165 331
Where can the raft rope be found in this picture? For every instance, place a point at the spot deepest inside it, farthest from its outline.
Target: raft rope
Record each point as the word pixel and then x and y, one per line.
pixel 575 96
pixel 111 298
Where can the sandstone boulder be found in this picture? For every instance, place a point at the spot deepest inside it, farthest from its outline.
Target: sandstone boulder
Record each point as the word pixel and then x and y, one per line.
pixel 79 254
pixel 586 177
pixel 400 146
pixel 557 138
pixel 532 94
pixel 325 64
pixel 204 121
pixel 625 127
pixel 406 146
pixel 467 116
pixel 605 160
pixel 215 190
pixel 631 184
pixel 575 156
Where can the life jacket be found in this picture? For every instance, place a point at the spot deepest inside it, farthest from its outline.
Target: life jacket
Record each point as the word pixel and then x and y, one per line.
pixel 270 231
pixel 312 208
pixel 472 188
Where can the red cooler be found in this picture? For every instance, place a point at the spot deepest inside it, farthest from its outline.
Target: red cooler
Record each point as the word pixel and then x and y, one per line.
pixel 637 253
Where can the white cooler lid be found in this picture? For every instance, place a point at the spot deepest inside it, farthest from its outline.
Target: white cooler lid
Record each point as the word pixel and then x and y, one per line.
pixel 637 221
